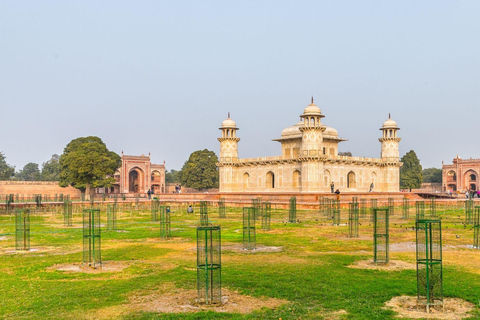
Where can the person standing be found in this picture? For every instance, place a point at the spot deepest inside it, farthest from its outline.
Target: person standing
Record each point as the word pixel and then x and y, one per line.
pixel 332 186
pixel 371 187
pixel 149 194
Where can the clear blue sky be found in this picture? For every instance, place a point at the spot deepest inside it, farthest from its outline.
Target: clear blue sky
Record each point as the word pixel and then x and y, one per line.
pixel 160 76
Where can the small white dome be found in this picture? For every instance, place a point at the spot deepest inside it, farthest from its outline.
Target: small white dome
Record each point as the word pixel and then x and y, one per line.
pixel 312 109
pixel 329 131
pixel 293 130
pixel 229 123
pixel 389 123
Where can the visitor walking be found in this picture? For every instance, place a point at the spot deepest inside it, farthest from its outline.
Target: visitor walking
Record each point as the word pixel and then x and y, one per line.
pixel 332 186
pixel 371 187
pixel 149 194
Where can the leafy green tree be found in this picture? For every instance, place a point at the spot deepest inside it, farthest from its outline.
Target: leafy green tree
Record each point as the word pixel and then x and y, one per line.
pixel 432 175
pixel 30 172
pixel 51 169
pixel 200 170
pixel 173 176
pixel 6 171
pixel 86 162
pixel 411 171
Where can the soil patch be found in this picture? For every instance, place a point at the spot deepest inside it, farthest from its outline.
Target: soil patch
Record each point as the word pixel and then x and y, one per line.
pixel 393 265
pixel 260 248
pixel 406 307
pixel 107 266
pixel 412 247
pixel 33 250
pixel 184 301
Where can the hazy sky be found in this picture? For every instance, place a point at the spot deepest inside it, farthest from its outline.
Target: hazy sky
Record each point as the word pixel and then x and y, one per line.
pixel 161 76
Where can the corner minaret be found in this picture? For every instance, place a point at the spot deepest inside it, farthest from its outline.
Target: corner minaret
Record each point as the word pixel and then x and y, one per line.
pixel 390 140
pixel 312 131
pixel 228 141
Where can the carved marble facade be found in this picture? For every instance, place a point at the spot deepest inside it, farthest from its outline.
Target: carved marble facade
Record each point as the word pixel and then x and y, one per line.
pixel 309 161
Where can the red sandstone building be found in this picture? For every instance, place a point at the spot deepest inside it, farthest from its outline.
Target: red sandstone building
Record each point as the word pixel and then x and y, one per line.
pixel 462 175
pixel 137 175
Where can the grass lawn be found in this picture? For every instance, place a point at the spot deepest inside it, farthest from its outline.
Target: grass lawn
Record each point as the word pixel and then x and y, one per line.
pixel 311 274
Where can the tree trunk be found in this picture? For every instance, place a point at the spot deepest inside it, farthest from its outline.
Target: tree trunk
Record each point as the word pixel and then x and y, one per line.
pixel 87 192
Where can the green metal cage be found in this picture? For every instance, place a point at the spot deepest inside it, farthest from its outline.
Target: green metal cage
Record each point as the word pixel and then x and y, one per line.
pixel 91 238
pixel 292 210
pixel 353 220
pixel 429 262
pixel 249 232
pixel 209 265
pixel 381 236
pixel 22 230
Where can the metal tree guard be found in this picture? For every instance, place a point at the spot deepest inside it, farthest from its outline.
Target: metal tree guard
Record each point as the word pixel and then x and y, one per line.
pixel 363 208
pixel 249 234
pixel 469 211
pixel 329 211
pixel 420 209
pixel 257 207
pixel 266 216
pixel 155 207
pixel 112 217
pixel 476 228
pixel 336 213
pixel 373 206
pixel 91 238
pixel 380 236
pixel 204 213
pixel 209 264
pixel 165 230
pixel 222 210
pixel 292 212
pixel 429 262
pixel 391 206
pixel 406 209
pixel 67 213
pixel 22 230
pixel 433 207
pixel 321 205
pixel 353 220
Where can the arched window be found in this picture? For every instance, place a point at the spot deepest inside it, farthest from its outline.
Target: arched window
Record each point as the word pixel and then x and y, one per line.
pixel 326 178
pixel 297 179
pixel 473 177
pixel 246 178
pixel 374 178
pixel 351 183
pixel 270 180
pixel 451 176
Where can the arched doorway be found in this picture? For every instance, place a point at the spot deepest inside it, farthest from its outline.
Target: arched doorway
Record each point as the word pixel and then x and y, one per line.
pixel 135 181
pixel 351 183
pixel 297 179
pixel 326 178
pixel 270 180
pixel 246 177
pixel 471 180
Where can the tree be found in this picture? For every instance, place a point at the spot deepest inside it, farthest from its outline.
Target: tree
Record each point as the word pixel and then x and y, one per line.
pixel 411 171
pixel 51 169
pixel 346 153
pixel 86 162
pixel 200 170
pixel 173 176
pixel 6 171
pixel 432 175
pixel 30 172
